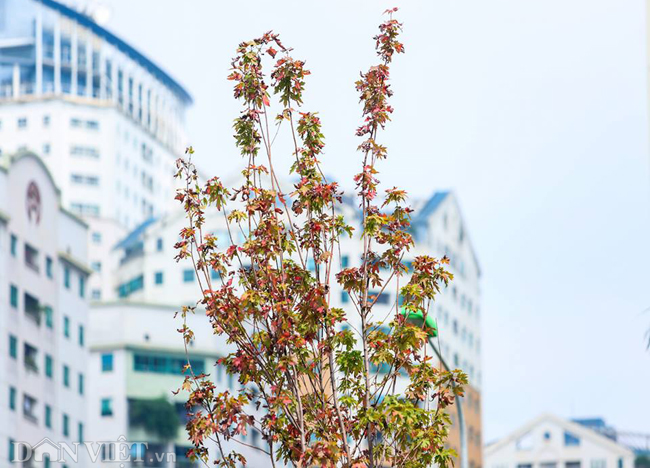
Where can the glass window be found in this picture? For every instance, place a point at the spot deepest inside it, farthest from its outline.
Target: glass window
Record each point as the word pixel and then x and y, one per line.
pixel 80 430
pixel 22 122
pixel 13 347
pixel 97 237
pixel 159 244
pixel 81 335
pixel 66 326
pixel 570 439
pixel 66 425
pixel 215 275
pixel 48 366
pixel 572 464
pixel 13 296
pixel 46 461
pixel 66 277
pixel 46 120
pixel 12 398
pixel 107 362
pixel 345 261
pixel 49 317
pixel 96 266
pixel 48 416
pixel 46 148
pixel 81 384
pixel 188 275
pixel 159 277
pixel 345 298
pixel 14 245
pixel 96 294
pixel 82 286
pixel 48 267
pixel 12 447
pixel 107 407
pixel 66 376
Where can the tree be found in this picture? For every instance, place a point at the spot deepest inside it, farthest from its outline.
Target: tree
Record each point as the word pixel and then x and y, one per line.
pixel 308 370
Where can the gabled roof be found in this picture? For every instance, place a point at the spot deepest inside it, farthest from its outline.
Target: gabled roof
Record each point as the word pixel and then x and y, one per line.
pixel 121 45
pixel 570 426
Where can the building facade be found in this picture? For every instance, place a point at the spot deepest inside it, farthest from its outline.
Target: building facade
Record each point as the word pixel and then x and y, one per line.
pixel 43 312
pixel 149 275
pixel 108 122
pixel 553 442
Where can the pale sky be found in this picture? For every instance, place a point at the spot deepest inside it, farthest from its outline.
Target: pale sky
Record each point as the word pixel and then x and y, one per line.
pixel 534 112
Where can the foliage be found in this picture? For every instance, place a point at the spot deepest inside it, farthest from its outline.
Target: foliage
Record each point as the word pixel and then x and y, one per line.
pixel 306 368
pixel 156 416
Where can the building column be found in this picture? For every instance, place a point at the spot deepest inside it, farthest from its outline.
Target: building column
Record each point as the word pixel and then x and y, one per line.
pixel 74 57
pixel 15 81
pixel 57 55
pixel 89 68
pixel 39 52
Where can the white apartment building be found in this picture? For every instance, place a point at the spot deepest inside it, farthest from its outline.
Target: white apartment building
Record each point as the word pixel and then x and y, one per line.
pixel 107 121
pixel 43 312
pixel 150 279
pixel 553 442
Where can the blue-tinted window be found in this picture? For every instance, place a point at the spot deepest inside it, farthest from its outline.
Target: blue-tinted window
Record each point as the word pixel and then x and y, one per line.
pixel 345 298
pixel 82 286
pixel 107 407
pixel 215 275
pixel 571 439
pixel 13 347
pixel 383 298
pixel 14 245
pixel 66 376
pixel 66 277
pixel 66 327
pixel 48 267
pixel 48 416
pixel 188 276
pixel 82 337
pixel 66 425
pixel 345 261
pixel 13 296
pixel 107 362
pixel 158 277
pixel 128 288
pixel 97 237
pixel 159 244
pixel 48 366
pixel 49 317
pixel 12 398
pixel 81 384
pixel 165 364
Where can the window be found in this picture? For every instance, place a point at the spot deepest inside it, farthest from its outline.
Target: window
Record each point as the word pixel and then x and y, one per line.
pixel 524 465
pixel 345 298
pixel 81 335
pixel 29 408
pixel 48 366
pixel 80 385
pixel 92 125
pixel 378 298
pixel 80 430
pixel 97 237
pixel 12 447
pixel 165 364
pixel 22 122
pixel 13 296
pixel 81 179
pixel 599 463
pixel 96 294
pixel 13 347
pixel 31 257
pixel 572 464
pixel 46 148
pixel 46 121
pixel 66 326
pixel 66 376
pixel 159 244
pixel 96 266
pixel 158 277
pixel 75 123
pixel 107 407
pixel 454 326
pixel 48 416
pixel 84 151
pixel 107 362
pixel 46 461
pixel 49 317
pixel 345 261
pixel 82 286
pixel 215 275
pixel 66 277
pixel 48 267
pixel 131 286
pixel 14 245
pixel 570 440
pixel 84 209
pixel 32 308
pixel 66 425
pixel 31 357
pixel 12 398
pixel 188 275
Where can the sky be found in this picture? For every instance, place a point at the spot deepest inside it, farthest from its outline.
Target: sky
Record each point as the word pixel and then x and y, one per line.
pixel 534 113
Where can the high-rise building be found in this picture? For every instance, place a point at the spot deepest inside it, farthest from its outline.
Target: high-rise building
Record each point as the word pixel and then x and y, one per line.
pixel 43 312
pixel 107 121
pixel 156 285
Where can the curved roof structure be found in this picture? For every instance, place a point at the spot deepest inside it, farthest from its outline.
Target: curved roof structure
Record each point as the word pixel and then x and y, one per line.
pixel 121 45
